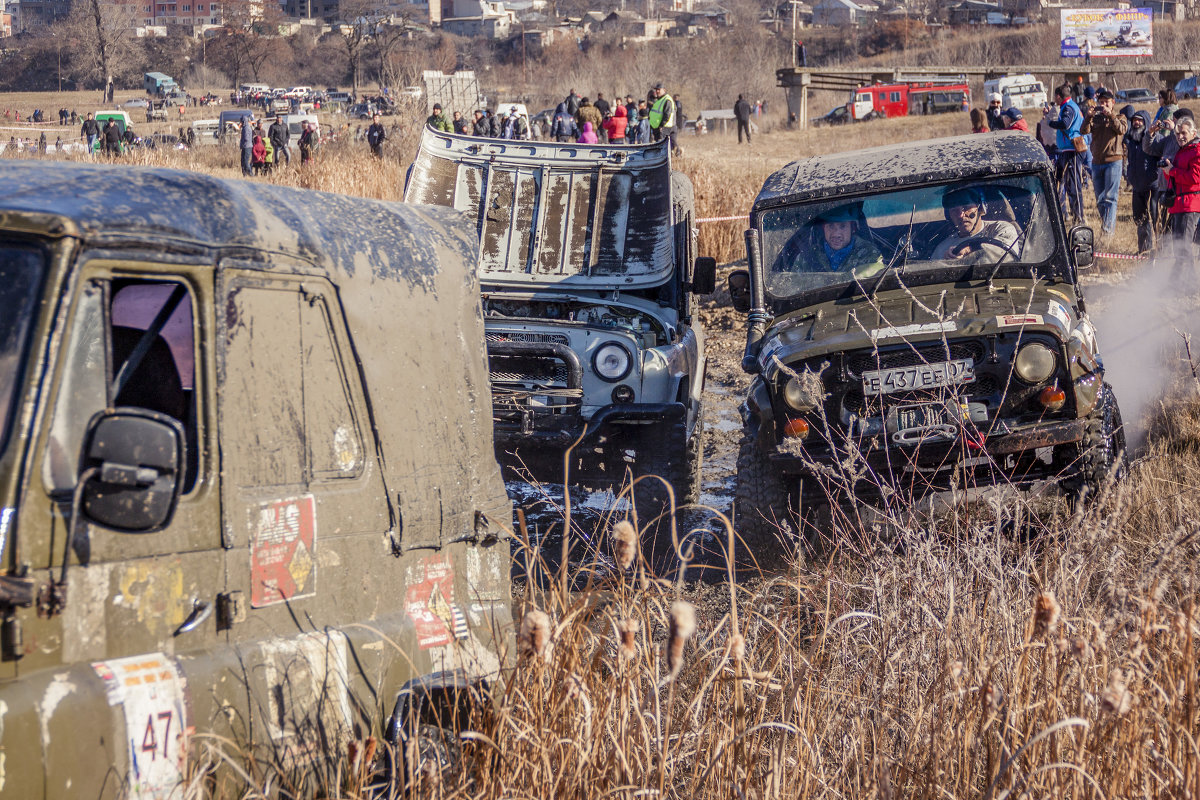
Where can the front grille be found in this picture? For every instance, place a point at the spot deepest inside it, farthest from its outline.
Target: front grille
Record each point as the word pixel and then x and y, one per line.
pixel 526 336
pixel 528 370
pixel 908 356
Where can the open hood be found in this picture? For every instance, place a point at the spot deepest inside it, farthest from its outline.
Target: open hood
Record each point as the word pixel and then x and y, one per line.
pixel 594 216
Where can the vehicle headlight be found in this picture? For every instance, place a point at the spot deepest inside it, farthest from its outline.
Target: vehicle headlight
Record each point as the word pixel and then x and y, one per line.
pixel 612 362
pixel 1035 362
pixel 799 397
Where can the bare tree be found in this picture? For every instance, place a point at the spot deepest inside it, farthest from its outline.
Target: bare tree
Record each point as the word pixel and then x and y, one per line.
pixel 103 31
pixel 360 20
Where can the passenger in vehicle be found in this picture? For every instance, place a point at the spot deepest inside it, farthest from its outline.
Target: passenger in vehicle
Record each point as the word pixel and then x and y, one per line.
pixel 972 237
pixel 837 247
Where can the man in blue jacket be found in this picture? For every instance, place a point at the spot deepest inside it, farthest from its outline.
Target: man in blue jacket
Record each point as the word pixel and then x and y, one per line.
pixel 1067 163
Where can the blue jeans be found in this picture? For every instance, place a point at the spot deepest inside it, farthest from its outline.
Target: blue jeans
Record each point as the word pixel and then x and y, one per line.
pixel 1106 179
pixel 248 158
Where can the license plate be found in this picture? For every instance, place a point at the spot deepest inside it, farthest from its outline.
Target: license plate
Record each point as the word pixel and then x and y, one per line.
pixel 918 376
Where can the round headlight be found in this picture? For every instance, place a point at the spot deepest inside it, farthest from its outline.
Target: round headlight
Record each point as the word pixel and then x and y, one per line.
pixel 798 397
pixel 1035 362
pixel 612 362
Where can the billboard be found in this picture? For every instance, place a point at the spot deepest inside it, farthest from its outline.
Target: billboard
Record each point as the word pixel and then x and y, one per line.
pixel 1109 31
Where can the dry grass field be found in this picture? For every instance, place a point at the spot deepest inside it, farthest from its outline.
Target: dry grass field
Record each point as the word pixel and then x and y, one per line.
pixel 1002 649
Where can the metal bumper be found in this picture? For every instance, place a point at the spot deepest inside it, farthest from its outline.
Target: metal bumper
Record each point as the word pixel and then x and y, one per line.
pixel 940 453
pixel 563 430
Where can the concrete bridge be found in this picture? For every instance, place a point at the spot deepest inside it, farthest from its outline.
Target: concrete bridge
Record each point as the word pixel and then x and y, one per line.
pixel 798 81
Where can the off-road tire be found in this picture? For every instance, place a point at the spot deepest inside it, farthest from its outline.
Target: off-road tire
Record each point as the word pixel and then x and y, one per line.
pixel 763 516
pixel 653 500
pixel 1102 451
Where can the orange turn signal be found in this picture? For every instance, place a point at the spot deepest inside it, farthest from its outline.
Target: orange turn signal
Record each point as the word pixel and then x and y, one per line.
pixel 1052 398
pixel 796 428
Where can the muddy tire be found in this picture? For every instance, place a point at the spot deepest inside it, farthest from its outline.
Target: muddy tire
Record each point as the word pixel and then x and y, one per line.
pixel 1102 451
pixel 653 500
pixel 763 516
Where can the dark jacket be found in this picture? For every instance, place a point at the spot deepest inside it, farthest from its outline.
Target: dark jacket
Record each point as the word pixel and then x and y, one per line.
pixel 495 126
pixel 279 135
pixel 602 106
pixel 481 127
pixel 376 135
pixel 741 110
pixel 112 134
pixel 563 127
pixel 572 104
pixel 1141 169
pixel 1162 144
pixel 993 118
pixel 90 128
pixel 1107 131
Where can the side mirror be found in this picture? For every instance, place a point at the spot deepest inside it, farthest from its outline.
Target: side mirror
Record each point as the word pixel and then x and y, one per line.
pixel 132 470
pixel 739 290
pixel 1082 246
pixel 704 277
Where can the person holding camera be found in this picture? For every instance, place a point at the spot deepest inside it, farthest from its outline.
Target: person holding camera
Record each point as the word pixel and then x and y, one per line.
pixel 1107 128
pixel 1183 172
pixel 1161 144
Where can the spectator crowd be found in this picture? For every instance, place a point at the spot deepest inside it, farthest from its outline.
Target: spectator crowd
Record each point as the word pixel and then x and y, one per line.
pixel 1095 146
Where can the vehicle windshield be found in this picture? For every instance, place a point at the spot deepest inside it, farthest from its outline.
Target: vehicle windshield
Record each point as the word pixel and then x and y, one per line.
pixel 917 232
pixel 21 270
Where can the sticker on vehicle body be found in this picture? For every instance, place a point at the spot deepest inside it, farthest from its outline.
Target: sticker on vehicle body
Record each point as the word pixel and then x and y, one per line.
pixel 913 330
pixel 1018 320
pixel 283 543
pixel 1059 312
pixel 151 690
pixel 429 602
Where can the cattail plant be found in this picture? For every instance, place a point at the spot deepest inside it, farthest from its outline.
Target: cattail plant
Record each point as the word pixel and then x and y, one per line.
pixel 683 625
pixel 625 544
pixel 1046 612
pixel 533 638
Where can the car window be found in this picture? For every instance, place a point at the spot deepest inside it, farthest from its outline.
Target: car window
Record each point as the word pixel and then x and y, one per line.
pixel 914 230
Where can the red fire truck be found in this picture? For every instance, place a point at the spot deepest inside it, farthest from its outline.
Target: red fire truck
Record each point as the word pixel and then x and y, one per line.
pixel 912 97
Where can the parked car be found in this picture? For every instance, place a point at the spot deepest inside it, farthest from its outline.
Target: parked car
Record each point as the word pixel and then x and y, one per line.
pixel 838 115
pixel 1186 89
pixel 225 419
pixel 137 102
pixel 937 357
pixel 593 338
pixel 1135 96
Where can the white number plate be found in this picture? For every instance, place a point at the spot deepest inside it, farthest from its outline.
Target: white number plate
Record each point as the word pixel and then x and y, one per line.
pixel 919 376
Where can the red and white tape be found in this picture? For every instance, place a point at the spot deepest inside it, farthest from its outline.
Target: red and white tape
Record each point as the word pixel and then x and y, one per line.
pixel 723 219
pixel 1121 256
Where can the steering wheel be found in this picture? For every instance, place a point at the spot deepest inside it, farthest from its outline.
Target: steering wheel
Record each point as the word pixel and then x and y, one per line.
pixel 982 240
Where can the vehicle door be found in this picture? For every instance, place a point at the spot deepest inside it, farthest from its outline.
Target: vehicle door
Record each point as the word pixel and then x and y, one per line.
pixel 306 518
pixel 863 104
pixel 132 334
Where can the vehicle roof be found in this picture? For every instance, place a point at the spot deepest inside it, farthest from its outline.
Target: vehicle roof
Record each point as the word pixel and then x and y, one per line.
pixel 907 163
pixel 151 204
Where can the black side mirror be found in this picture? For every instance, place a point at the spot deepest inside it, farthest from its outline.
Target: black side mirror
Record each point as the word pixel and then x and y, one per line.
pixel 132 470
pixel 1082 246
pixel 704 277
pixel 739 290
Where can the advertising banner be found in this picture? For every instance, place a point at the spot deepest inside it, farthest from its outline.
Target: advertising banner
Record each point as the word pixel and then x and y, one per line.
pixel 1106 32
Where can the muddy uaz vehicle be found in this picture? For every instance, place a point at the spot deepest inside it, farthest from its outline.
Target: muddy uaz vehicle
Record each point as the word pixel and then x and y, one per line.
pixel 916 325
pixel 244 502
pixel 587 260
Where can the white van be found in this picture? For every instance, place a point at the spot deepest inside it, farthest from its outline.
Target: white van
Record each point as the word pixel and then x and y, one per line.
pixel 294 121
pixel 206 131
pixel 502 110
pixel 1021 91
pixel 254 88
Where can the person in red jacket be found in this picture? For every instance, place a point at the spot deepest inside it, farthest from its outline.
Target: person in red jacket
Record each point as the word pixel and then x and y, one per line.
pixel 615 125
pixel 1184 177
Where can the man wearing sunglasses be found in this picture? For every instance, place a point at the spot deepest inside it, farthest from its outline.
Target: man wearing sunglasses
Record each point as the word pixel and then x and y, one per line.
pixel 972 238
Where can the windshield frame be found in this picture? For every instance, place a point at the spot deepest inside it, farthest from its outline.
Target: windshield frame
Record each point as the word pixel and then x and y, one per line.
pixel 1055 267
pixel 10 397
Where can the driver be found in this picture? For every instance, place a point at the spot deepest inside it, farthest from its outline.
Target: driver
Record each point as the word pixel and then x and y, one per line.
pixel 838 248
pixel 973 238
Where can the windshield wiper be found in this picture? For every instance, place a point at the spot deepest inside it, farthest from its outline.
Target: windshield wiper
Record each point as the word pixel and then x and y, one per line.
pixel 904 245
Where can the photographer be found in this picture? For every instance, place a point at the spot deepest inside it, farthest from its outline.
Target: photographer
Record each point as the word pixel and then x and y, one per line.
pixel 1107 129
pixel 1161 144
pixel 1184 174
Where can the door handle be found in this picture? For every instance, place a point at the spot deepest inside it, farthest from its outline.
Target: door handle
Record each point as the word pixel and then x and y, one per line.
pixel 201 610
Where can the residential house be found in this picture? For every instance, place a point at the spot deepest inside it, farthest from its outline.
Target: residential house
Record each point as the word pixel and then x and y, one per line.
pixel 971 12
pixel 478 18
pixel 838 12
pixel 632 27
